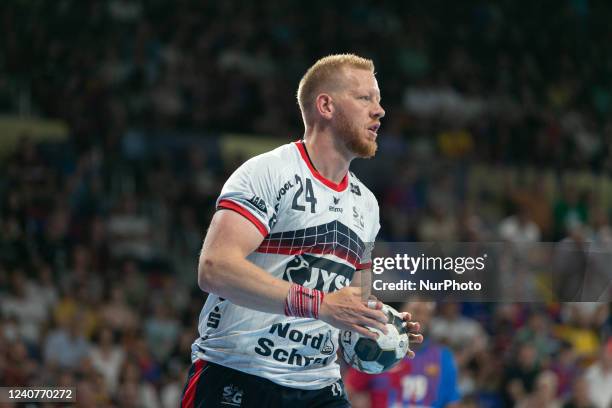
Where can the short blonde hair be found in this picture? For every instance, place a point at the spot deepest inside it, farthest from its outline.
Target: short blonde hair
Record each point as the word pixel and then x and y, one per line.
pixel 322 75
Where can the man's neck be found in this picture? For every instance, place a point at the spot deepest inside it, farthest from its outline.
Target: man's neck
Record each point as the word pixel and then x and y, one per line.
pixel 327 155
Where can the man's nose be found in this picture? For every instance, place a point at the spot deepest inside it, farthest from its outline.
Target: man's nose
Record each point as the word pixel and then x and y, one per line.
pixel 378 111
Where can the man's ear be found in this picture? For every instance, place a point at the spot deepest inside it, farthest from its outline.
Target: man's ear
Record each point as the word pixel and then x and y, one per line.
pixel 325 105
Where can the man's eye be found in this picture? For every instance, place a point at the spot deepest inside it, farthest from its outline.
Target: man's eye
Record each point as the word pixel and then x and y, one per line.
pixel 365 97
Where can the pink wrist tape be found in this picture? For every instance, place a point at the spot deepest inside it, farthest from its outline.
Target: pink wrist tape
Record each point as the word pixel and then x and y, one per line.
pixel 303 302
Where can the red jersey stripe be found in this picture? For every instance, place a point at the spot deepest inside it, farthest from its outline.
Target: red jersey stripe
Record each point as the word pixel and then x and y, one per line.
pixel 231 205
pixel 336 187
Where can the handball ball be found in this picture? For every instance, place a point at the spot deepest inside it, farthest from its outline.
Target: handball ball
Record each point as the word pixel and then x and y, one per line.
pixel 376 356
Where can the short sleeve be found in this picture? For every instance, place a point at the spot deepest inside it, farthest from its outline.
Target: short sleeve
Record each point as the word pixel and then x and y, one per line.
pixel 249 191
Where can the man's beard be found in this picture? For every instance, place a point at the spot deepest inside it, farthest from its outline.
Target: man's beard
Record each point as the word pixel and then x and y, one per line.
pixel 353 137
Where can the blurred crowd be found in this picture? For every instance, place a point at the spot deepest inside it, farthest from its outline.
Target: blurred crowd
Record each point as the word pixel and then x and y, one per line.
pixel 469 80
pixel 100 236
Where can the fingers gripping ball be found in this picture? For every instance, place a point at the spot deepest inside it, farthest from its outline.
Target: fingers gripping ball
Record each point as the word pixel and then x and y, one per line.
pixel 375 356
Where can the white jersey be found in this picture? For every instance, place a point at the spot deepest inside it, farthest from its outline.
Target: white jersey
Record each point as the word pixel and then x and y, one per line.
pixel 317 234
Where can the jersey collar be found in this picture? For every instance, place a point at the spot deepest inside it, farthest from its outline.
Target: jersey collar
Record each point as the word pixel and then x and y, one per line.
pixel 339 187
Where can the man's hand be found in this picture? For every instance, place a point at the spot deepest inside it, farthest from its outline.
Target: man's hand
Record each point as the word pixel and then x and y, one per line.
pixel 346 310
pixel 413 332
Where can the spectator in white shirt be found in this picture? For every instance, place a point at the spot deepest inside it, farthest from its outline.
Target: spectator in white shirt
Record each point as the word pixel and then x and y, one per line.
pixel 519 228
pixel 107 358
pixel 599 378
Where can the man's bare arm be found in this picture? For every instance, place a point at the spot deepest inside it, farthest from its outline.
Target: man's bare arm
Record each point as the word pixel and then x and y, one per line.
pixel 224 270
